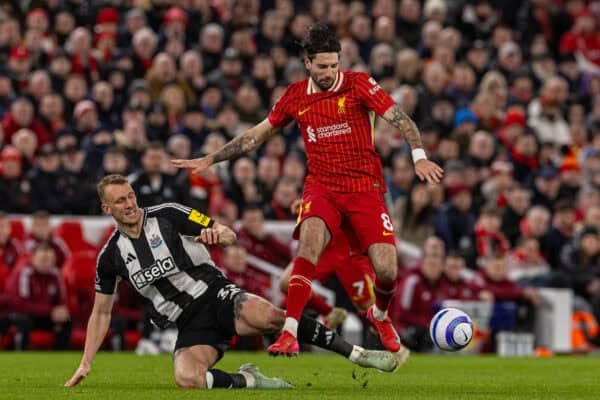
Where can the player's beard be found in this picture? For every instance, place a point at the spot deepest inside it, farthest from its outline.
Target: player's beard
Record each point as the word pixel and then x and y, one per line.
pixel 324 84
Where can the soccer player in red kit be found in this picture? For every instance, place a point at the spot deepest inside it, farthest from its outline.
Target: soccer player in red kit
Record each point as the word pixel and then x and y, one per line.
pixel 335 111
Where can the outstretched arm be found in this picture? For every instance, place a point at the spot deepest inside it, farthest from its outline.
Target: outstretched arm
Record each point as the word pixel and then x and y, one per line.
pixel 244 143
pixel 425 169
pixel 97 327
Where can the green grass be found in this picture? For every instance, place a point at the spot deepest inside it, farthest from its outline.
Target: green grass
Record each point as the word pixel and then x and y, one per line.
pixel 316 376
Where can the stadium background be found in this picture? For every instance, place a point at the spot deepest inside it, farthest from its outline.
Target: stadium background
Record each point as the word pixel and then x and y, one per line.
pixel 506 95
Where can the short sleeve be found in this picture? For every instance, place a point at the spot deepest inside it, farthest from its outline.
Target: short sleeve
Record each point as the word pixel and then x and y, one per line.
pixel 185 220
pixel 371 94
pixel 279 115
pixel 106 277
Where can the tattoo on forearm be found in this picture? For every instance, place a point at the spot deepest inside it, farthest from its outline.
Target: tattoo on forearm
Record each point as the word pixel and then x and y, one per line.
pixel 398 118
pixel 236 147
pixel 238 304
pixel 242 144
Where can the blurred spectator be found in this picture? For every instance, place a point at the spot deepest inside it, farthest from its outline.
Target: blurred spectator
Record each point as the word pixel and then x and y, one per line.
pixel 280 207
pixel 236 269
pixel 580 261
pixel 15 189
pixel 193 127
pixel 421 291
pixel 164 73
pixel 51 110
pixel 561 231
pixel 454 221
pixel 228 76
pixel 455 281
pixel 242 187
pixel 46 193
pixel 535 224
pixel 152 186
pixel 517 203
pixel 10 247
pixel 413 215
pixel 400 179
pixel 267 174
pixel 583 40
pixel 38 299
pixel 260 243
pixel 21 115
pixel 526 264
pixel 41 232
pixel 78 194
pixel 489 239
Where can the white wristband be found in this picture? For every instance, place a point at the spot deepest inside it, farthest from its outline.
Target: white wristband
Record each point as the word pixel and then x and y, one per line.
pixel 418 154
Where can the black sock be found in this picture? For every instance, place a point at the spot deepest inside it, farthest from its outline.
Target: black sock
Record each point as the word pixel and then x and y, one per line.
pixel 310 331
pixel 226 380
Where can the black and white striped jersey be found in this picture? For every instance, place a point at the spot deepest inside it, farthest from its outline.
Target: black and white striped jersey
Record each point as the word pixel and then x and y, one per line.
pixel 164 264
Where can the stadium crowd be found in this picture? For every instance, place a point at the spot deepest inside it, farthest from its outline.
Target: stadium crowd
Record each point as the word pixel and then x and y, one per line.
pixel 506 95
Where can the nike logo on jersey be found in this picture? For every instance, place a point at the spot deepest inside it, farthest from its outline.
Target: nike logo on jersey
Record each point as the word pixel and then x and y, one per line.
pixel 386 233
pixel 302 112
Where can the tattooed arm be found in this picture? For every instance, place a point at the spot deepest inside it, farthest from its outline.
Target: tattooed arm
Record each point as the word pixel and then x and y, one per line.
pixel 244 143
pixel 398 118
pixel 425 169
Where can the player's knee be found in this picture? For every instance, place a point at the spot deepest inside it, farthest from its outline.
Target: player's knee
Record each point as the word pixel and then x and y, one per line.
pixel 384 263
pixel 191 379
pixel 310 252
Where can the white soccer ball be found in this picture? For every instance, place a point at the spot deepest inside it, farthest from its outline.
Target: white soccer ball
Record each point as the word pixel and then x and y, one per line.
pixel 451 329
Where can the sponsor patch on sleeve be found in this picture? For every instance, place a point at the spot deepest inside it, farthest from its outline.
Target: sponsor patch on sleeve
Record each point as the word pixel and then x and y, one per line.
pixel 199 218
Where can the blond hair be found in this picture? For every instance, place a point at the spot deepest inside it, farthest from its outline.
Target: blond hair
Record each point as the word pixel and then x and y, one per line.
pixel 114 179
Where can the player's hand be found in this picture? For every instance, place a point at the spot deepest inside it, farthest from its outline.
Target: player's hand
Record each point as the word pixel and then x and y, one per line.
pixel 82 372
pixel 533 295
pixel 295 207
pixel 487 296
pixel 428 171
pixel 217 234
pixel 197 164
pixel 59 313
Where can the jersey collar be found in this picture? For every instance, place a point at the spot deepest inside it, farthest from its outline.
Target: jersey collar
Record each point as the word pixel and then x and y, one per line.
pixel 339 79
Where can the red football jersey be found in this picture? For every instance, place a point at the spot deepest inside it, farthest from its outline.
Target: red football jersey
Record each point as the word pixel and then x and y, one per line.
pixel 338 129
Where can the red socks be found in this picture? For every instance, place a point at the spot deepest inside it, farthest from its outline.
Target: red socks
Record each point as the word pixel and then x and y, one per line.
pixel 299 287
pixel 384 292
pixel 319 304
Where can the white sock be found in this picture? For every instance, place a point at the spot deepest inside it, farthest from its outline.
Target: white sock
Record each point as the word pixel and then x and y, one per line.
pixel 291 325
pixel 250 381
pixel 378 314
pixel 209 380
pixel 356 352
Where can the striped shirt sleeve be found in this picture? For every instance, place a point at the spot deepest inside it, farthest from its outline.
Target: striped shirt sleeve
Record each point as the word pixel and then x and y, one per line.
pixel 106 277
pixel 371 94
pixel 185 220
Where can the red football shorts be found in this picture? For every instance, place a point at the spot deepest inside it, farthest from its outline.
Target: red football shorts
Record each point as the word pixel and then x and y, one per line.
pixel 364 213
pixel 353 269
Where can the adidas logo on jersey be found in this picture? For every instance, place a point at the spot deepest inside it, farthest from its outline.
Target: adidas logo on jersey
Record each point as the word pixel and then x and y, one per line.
pixel 159 269
pixel 130 258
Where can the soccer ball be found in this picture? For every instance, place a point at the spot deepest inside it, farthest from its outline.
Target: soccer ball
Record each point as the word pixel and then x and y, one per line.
pixel 451 329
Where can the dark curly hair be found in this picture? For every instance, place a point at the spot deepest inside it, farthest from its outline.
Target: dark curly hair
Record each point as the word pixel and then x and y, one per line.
pixel 320 38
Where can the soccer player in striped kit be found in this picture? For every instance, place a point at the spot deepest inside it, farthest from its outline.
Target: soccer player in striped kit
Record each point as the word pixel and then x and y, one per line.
pixel 335 111
pixel 155 250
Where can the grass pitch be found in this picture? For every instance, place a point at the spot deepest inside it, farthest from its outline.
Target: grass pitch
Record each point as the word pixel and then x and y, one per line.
pixel 40 375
